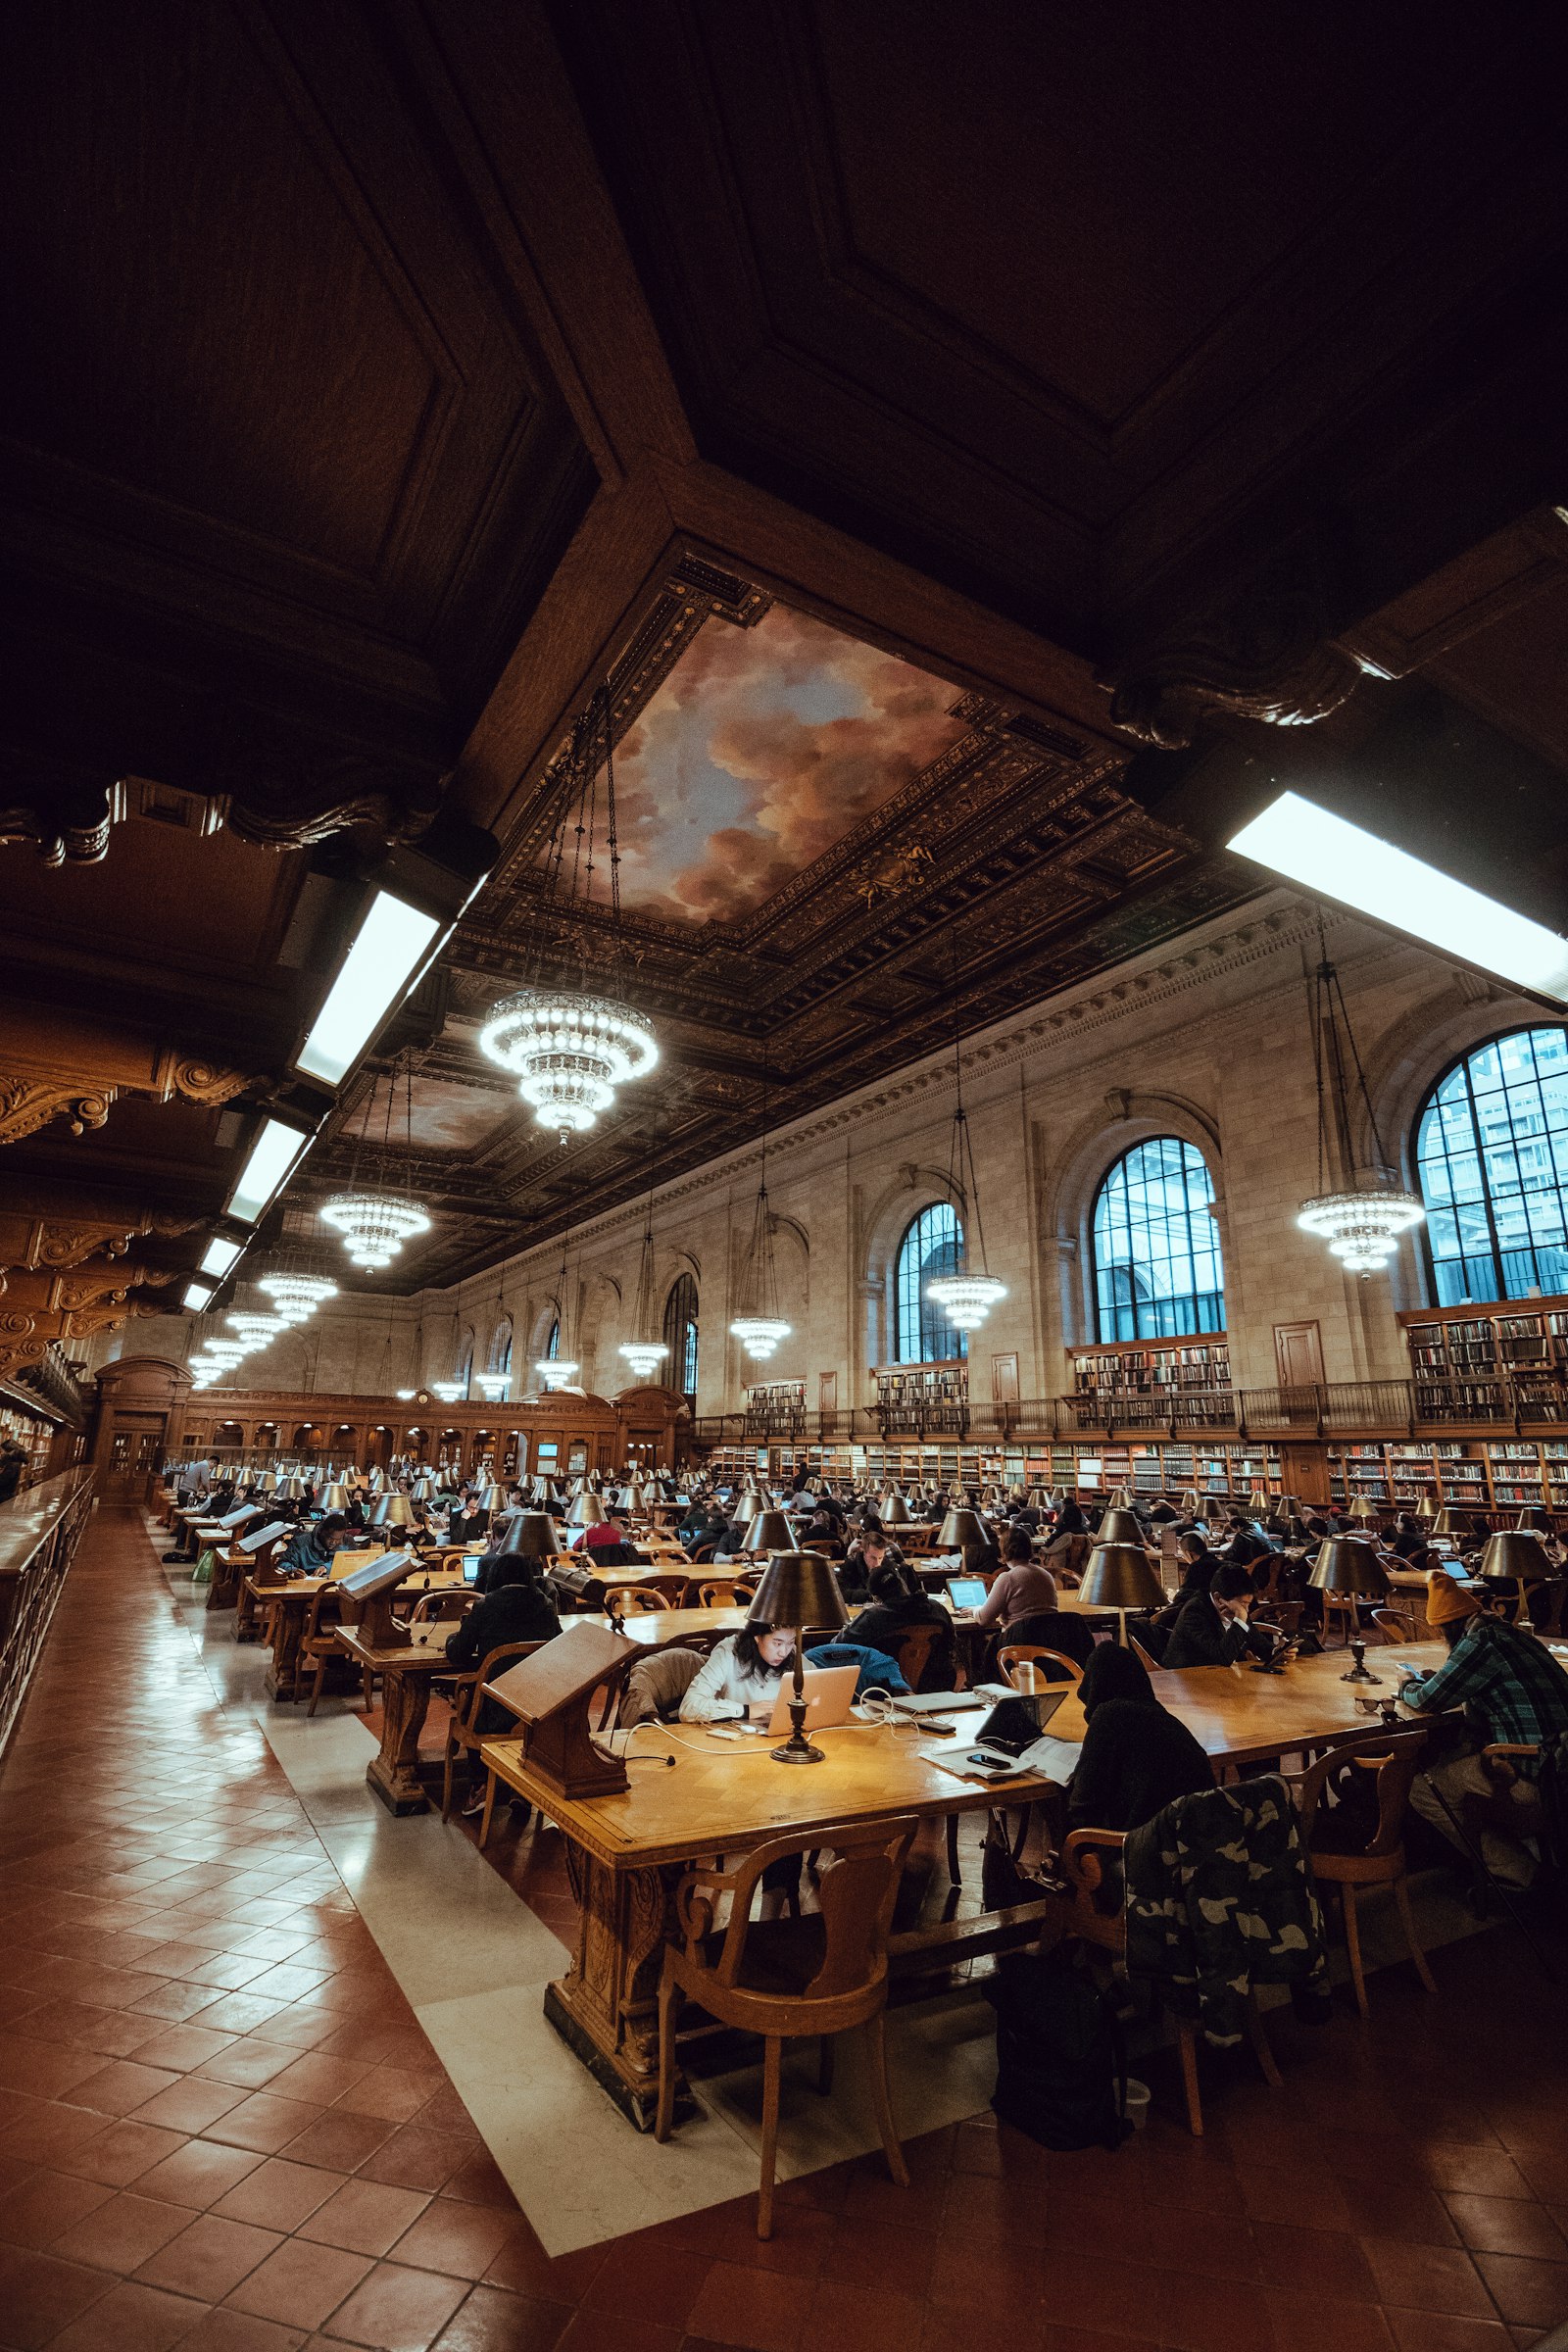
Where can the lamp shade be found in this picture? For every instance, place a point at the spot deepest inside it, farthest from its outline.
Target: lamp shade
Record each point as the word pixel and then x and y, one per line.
pixel 493 1500
pixel 961 1531
pixel 799 1588
pixel 745 1507
pixel 1119 1499
pixel 769 1530
pixel 1119 1577
pixel 534 1533
pixel 1511 1554
pixel 423 1489
pixel 1348 1564
pixel 334 1498
pixel 896 1512
pixel 587 1508
pixel 393 1510
pixel 1533 1516
pixel 1364 1508
pixel 1119 1526
pixel 1450 1523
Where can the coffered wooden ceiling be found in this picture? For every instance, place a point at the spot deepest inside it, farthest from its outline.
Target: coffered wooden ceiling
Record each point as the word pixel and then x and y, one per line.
pixel 1034 390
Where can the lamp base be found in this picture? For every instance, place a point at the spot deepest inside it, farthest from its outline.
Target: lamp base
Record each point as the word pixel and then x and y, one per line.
pixel 1359 1674
pixel 804 1753
pixel 797 1749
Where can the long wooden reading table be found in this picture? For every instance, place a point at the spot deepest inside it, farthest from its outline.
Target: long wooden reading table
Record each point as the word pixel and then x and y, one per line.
pixel 625 1852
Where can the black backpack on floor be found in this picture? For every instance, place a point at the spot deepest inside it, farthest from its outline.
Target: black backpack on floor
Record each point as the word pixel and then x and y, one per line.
pixel 1061 2058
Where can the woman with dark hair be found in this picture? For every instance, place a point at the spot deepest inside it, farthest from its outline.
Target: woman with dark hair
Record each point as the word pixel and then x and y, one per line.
pixel 741 1678
pixel 1136 1755
pixel 1023 1586
pixel 310 1552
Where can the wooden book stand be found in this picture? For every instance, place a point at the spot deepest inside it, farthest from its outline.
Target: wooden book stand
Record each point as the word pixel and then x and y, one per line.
pixel 367 1600
pixel 549 1693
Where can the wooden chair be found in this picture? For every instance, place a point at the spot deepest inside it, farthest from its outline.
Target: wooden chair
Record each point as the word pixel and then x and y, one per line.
pixel 443 1607
pixel 318 1645
pixel 1083 1871
pixel 463 1739
pixel 1394 1625
pixel 718 1594
pixel 1146 1658
pixel 790 1978
pixel 1341 1609
pixel 1342 1855
pixel 1025 1654
pixel 627 1600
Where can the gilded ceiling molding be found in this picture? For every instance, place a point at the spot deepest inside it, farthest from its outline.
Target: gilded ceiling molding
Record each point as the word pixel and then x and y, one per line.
pixel 27 1104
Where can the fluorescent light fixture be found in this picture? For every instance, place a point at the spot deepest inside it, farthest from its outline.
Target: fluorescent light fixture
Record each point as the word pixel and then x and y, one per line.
pixel 1337 860
pixel 270 1165
pixel 220 1255
pixel 392 942
pixel 197 1296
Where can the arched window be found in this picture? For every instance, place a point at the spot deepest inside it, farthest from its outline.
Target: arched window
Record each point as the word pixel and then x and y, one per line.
pixel 552 1343
pixel 1491 1160
pixel 501 1349
pixel 1158 1270
pixel 921 1332
pixel 680 1336
pixel 464 1371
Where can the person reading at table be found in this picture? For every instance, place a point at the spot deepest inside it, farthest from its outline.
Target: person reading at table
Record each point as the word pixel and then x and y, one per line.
pixel 1512 1690
pixel 898 1603
pixel 515 1608
pixel 741 1678
pixel 1136 1755
pixel 1024 1586
pixel 310 1552
pixel 1211 1629
pixel 875 1549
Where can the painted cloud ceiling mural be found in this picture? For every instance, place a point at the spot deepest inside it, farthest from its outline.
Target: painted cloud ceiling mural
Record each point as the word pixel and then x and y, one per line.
pixel 764 748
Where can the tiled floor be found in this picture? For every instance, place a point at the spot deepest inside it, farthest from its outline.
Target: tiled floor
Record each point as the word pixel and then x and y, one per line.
pixel 223 2127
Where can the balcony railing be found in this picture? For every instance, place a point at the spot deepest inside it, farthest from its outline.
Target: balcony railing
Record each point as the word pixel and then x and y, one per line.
pixel 1433 1406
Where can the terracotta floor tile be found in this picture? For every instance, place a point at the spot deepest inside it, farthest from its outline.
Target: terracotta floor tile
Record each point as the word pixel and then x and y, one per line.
pixel 189 2105
pixel 249 2063
pixel 300 2284
pixel 130 2319
pixel 1527 2292
pixel 121 2086
pixel 44 2069
pixel 1439 2331
pixel 1507 2225
pixel 762 2309
pixel 1400 2207
pixel 112 2033
pixel 1311 2324
pixel 310 2074
pixel 209 2258
pixel 1222 2315
pixel 239 2013
pixel 1427 2278
pixel 278 2195
pixel 46 2203
pixel 265 2122
pixel 492 2321
pixel 174 2002
pixel 395 2093
pixel 119 2153
pixel 396 2310
pixel 482 2181
pixel 1314 2261
pixel 184 2047
pixel 1470 2170
pixel 368 2217
pixel 222 2331
pixel 39 2294
pixel 463 2240
pixel 198 2174
pixel 122 2233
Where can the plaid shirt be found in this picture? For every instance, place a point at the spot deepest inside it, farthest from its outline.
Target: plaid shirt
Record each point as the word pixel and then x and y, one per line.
pixel 1512 1681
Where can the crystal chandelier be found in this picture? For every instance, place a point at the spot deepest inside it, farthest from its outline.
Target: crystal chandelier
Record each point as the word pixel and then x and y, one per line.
pixel 760 1326
pixel 643 1355
pixel 571 1048
pixel 967 1294
pixel 495 1384
pixel 449 1392
pixel 376 1219
pixel 1362 1218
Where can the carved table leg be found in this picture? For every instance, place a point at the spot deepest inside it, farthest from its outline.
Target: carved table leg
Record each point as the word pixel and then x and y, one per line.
pixel 246 1627
pixel 288 1631
pixel 394 1774
pixel 606 2006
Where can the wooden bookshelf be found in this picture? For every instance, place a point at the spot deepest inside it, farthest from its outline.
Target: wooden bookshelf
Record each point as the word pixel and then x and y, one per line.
pixel 1460 1356
pixel 1494 1478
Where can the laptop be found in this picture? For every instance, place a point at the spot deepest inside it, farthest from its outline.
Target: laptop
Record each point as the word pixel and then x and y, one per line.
pixel 966 1591
pixel 1011 1731
pixel 829 1693
pixel 471 1566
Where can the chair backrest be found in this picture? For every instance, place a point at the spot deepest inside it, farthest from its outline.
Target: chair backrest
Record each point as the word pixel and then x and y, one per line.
pixel 626 1601
pixel 1392 1755
pixel 1027 1653
pixel 1394 1624
pixel 914 1648
pixel 442 1605
pixel 718 1594
pixel 855 1896
pixel 657 1684
pixel 1146 1658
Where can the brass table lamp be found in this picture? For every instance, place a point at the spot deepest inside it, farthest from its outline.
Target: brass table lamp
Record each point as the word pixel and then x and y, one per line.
pixel 1120 1526
pixel 961 1531
pixel 798 1591
pixel 769 1530
pixel 1350 1564
pixel 533 1534
pixel 1119 1577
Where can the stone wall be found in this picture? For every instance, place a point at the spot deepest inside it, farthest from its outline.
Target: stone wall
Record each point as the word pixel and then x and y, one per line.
pixel 1210 1042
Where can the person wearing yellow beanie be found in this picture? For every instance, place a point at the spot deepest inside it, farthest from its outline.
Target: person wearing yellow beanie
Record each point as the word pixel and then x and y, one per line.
pixel 1511 1689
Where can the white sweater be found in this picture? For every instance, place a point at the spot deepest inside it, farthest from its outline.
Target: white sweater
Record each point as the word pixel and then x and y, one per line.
pixel 723 1690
